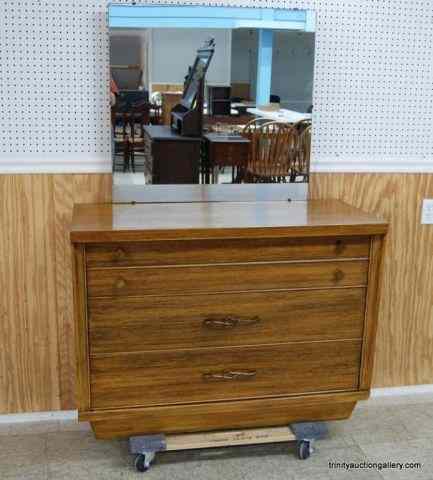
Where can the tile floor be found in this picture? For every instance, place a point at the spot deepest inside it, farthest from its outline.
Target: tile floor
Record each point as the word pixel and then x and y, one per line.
pixel 398 429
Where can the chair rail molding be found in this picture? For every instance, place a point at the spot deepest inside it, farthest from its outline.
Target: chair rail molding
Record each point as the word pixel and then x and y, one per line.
pixel 371 164
pixel 22 163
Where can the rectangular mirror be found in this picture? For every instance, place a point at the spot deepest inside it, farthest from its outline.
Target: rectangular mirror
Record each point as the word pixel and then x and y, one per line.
pixel 210 102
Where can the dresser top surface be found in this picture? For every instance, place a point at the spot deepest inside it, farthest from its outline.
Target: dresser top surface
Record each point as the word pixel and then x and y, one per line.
pixel 126 222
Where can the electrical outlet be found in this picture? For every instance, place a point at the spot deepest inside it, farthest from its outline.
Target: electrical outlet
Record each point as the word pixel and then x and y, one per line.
pixel 427 211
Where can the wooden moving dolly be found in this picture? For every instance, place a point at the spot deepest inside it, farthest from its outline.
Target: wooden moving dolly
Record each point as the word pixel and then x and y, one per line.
pixel 145 447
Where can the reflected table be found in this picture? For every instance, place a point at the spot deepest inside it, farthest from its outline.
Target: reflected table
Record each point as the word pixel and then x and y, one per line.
pixel 224 150
pixel 282 115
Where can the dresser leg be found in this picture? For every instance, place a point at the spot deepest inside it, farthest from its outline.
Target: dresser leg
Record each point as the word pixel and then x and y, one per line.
pixel 143 461
pixel 306 433
pixel 145 448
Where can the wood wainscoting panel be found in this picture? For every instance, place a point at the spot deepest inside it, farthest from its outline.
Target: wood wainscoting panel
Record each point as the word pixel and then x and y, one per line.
pixel 37 364
pixel 37 359
pixel 404 348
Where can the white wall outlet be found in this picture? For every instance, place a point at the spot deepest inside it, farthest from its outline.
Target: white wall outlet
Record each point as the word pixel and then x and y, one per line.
pixel 427 211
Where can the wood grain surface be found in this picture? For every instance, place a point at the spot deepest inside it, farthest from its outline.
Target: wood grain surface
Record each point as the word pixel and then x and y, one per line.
pixel 371 313
pixel 153 323
pixel 81 330
pixel 179 252
pixel 404 347
pixel 222 415
pixel 37 365
pixel 183 376
pixel 188 221
pixel 225 278
pixel 37 359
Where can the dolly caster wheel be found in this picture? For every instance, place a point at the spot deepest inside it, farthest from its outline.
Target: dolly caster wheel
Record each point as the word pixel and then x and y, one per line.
pixel 143 461
pixel 304 449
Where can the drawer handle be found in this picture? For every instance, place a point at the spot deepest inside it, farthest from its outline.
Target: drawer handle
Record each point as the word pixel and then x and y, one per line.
pixel 338 275
pixel 230 375
pixel 230 322
pixel 339 246
pixel 119 254
pixel 120 283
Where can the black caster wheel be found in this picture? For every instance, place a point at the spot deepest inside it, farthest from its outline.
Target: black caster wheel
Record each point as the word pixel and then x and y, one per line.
pixel 304 449
pixel 143 461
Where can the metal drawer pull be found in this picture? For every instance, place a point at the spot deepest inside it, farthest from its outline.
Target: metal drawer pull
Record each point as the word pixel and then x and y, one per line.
pixel 120 283
pixel 230 375
pixel 119 254
pixel 339 247
pixel 230 322
pixel 338 275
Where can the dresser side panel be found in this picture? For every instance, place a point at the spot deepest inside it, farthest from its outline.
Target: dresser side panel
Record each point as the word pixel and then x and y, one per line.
pixel 81 328
pixel 371 312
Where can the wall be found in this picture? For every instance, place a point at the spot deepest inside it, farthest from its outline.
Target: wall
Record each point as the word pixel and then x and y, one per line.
pixel 405 338
pixel 293 69
pixel 173 50
pixel 244 58
pixel 372 92
pixel 37 365
pixel 373 113
pixel 292 65
pixel 128 50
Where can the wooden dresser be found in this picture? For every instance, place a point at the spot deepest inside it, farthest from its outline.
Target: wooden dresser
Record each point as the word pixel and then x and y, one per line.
pixel 195 317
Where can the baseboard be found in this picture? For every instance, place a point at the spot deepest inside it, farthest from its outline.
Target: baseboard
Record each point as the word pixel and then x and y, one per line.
pixel 401 391
pixel 32 417
pixel 410 390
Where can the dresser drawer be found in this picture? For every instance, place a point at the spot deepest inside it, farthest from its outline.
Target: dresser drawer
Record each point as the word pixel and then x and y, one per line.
pixel 216 320
pixel 225 278
pixel 182 252
pixel 203 375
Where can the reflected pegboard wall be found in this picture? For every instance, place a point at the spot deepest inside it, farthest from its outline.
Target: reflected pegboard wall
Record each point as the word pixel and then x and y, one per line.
pixel 373 98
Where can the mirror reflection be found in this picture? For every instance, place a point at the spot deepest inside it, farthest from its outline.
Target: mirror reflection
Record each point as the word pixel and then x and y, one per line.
pixel 211 106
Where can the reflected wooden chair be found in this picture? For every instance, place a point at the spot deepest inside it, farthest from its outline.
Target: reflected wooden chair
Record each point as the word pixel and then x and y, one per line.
pixel 121 139
pixel 302 124
pixel 248 131
pixel 271 152
pixel 139 116
pixel 156 114
pixel 250 127
pixel 300 168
